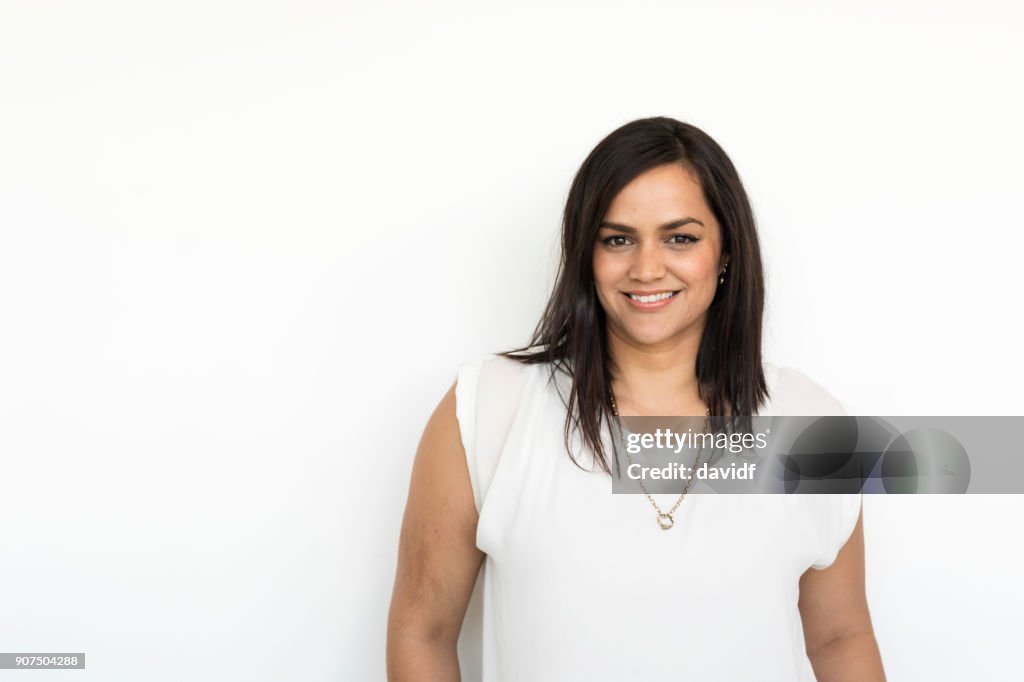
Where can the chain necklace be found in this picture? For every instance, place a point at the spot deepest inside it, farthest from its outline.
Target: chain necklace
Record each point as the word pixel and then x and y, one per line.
pixel 665 519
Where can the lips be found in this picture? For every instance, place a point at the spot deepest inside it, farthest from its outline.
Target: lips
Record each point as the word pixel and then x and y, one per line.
pixel 651 296
pixel 650 300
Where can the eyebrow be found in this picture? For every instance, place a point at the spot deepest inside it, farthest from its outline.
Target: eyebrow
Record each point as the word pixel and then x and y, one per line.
pixel 667 226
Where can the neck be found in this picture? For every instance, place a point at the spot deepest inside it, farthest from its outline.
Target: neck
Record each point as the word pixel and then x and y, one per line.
pixel 656 380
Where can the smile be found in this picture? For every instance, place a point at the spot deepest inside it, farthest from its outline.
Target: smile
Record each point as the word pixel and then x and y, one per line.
pixel 651 301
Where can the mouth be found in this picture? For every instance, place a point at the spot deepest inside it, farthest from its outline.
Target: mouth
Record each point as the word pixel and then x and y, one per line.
pixel 652 297
pixel 649 301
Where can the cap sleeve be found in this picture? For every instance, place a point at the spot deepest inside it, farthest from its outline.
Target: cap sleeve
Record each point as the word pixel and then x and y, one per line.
pixel 840 517
pixel 487 394
pixel 466 381
pixel 794 393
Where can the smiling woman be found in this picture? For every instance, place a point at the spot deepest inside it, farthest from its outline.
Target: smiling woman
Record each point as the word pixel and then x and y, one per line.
pixel 672 267
pixel 656 310
pixel 656 208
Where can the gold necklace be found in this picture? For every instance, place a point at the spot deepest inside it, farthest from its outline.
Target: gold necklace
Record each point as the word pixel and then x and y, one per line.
pixel 665 519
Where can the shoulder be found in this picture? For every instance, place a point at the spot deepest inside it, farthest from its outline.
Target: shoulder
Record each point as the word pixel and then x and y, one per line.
pixel 489 391
pixel 791 392
pixel 492 376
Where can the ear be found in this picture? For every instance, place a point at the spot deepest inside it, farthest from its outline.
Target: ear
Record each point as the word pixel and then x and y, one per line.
pixel 724 261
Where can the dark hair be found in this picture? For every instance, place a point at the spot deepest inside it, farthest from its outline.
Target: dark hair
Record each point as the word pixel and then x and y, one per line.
pixel 571 334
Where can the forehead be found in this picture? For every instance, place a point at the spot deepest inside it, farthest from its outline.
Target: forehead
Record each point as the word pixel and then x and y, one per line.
pixel 660 194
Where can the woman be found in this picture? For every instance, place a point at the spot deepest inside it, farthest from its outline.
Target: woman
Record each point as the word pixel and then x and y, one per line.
pixel 656 311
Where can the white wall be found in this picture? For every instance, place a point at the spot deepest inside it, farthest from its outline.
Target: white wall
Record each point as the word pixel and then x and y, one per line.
pixel 244 245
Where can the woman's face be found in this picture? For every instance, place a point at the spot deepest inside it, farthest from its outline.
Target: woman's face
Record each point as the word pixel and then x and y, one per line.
pixel 660 241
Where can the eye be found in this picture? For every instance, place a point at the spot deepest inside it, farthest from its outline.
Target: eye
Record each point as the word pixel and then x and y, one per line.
pixel 682 239
pixel 614 240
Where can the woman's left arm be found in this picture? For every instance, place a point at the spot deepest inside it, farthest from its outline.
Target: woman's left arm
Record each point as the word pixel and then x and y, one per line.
pixel 837 626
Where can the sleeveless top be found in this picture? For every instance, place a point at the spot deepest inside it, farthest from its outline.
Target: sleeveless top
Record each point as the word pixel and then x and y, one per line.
pixel 581 584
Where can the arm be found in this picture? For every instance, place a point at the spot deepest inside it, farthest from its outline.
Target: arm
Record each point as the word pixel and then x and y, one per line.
pixel 438 559
pixel 837 626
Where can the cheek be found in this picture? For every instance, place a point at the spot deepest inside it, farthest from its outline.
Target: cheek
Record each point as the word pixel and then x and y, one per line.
pixel 695 270
pixel 606 269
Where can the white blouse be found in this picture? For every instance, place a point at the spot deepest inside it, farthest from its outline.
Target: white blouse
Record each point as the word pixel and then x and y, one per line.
pixel 581 584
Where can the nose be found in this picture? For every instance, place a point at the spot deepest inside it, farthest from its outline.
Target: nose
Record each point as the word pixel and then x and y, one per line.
pixel 648 264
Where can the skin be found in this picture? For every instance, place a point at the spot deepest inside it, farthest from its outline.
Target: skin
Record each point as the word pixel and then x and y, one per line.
pixel 438 559
pixel 655 351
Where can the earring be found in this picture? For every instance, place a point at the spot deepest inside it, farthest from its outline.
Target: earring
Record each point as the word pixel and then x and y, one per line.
pixel 721 278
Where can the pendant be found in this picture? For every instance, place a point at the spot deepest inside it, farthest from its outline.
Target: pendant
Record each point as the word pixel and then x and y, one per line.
pixel 665 521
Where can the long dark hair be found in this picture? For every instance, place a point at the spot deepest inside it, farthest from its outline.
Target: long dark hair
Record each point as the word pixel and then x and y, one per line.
pixel 571 334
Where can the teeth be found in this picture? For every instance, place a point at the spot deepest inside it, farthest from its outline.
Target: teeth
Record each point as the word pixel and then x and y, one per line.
pixel 652 299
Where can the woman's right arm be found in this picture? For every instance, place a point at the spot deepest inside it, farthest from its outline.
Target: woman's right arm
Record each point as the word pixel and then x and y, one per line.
pixel 438 559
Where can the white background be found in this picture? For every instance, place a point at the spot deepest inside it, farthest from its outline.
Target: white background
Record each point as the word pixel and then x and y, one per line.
pixel 245 245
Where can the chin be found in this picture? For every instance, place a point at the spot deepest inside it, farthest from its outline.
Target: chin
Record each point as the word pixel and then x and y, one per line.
pixel 647 337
